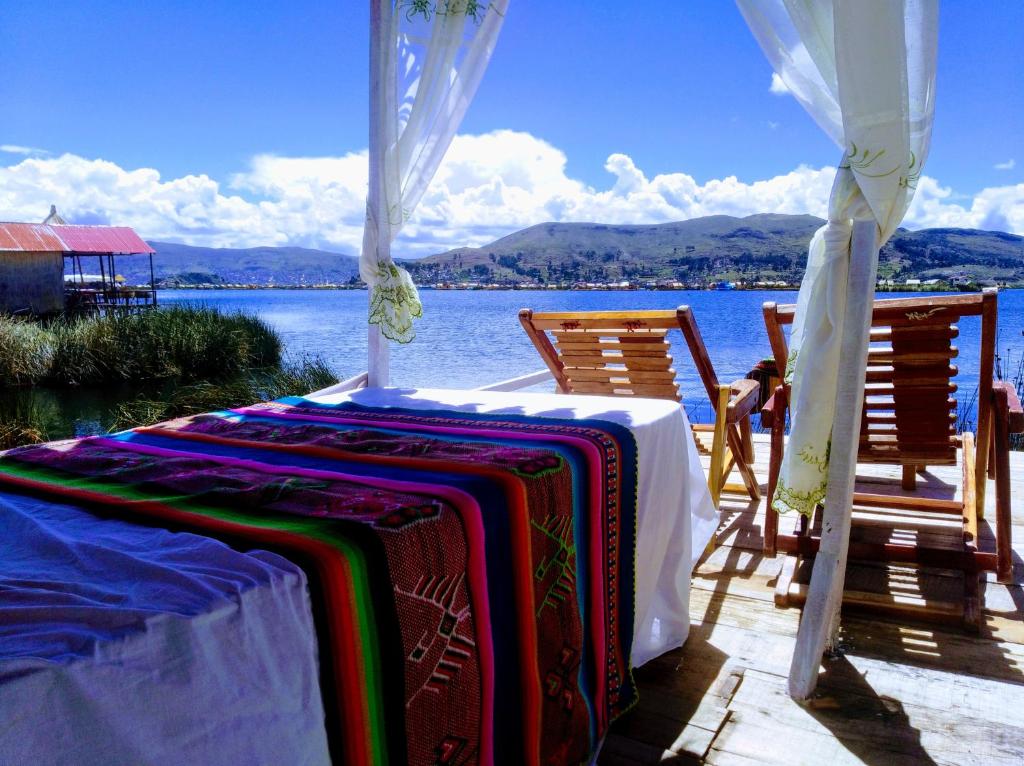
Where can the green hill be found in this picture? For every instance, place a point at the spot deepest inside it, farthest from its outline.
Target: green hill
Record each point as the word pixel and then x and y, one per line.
pixel 768 247
pixel 182 265
pixel 756 248
pixel 952 253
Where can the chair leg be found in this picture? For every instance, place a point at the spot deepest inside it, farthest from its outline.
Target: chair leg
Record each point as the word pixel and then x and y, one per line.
pixel 771 518
pixel 972 593
pixel 973 606
pixel 746 472
pixel 748 439
pixel 716 479
pixel 992 456
pixel 910 477
pixel 719 444
pixel 986 435
pixel 785 579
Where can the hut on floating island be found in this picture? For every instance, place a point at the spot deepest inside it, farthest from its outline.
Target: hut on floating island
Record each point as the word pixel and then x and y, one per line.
pixel 41 269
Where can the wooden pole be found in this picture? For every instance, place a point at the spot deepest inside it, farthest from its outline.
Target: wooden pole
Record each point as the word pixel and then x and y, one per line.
pixel 378 351
pixel 820 620
pixel 103 278
pixel 379 359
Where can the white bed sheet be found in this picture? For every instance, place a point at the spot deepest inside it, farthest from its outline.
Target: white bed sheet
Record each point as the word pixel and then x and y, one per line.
pixel 123 644
pixel 676 517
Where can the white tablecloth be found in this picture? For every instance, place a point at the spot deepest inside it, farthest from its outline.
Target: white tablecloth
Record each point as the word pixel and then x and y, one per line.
pixel 676 515
pixel 123 644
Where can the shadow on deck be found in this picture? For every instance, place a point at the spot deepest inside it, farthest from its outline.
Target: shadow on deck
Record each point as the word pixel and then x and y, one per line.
pixel 902 692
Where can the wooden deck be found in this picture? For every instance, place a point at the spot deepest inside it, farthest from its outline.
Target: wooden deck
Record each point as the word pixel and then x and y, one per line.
pixel 902 692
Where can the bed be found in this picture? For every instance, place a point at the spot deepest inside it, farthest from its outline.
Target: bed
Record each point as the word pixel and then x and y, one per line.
pixel 484 569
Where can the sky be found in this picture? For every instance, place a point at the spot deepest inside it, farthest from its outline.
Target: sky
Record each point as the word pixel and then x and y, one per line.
pixel 243 123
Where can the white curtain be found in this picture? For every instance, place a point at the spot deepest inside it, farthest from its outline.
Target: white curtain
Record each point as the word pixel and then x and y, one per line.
pixel 865 71
pixel 427 59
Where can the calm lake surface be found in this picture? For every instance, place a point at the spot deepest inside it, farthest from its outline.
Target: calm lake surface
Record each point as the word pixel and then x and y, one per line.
pixel 469 338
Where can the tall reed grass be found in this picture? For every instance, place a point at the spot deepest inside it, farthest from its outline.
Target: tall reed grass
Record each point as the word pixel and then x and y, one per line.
pixel 295 379
pixel 185 343
pixel 145 367
pixel 26 352
pixel 21 425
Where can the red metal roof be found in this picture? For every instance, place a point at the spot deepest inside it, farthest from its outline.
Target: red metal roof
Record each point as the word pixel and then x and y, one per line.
pixel 29 237
pixel 37 237
pixel 101 239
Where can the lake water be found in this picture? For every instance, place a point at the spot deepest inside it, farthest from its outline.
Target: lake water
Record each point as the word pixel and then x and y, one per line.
pixel 470 338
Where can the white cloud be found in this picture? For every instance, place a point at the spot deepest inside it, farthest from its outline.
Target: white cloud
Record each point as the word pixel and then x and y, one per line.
pixel 997 208
pixel 1008 165
pixel 28 151
pixel 488 186
pixel 778 87
pixel 189 209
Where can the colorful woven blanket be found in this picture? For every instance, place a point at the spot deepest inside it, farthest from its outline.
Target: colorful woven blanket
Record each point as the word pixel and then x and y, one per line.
pixel 472 575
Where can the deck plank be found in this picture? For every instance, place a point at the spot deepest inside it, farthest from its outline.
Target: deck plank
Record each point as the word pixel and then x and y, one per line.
pixel 903 692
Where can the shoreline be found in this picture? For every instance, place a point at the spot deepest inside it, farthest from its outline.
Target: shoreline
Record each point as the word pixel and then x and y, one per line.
pixel 479 288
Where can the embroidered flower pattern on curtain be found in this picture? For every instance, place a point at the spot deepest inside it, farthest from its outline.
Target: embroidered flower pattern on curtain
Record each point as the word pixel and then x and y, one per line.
pixel 427 8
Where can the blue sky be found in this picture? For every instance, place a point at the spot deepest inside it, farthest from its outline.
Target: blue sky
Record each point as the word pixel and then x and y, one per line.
pixel 190 88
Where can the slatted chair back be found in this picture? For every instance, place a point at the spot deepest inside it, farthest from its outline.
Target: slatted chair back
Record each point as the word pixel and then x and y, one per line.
pixel 628 353
pixel 620 353
pixel 910 396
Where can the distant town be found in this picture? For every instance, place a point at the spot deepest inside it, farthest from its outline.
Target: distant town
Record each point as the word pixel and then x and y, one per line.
pixel 759 252
pixel 884 285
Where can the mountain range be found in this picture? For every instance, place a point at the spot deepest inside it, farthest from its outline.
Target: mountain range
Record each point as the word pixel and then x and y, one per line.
pixel 767 247
pixel 178 265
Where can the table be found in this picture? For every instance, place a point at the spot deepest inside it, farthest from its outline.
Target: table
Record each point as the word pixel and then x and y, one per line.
pixel 120 642
pixel 676 517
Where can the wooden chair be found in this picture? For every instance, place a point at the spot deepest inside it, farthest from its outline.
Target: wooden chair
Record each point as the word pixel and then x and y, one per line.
pixel 626 353
pixel 909 420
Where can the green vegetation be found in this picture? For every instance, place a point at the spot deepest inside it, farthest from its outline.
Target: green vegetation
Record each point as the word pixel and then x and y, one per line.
pixel 181 343
pixel 290 380
pixel 26 352
pixel 21 424
pixel 72 376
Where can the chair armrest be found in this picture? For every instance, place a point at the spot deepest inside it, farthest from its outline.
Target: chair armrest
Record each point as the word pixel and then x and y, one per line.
pixel 1014 411
pixel 743 396
pixel 774 407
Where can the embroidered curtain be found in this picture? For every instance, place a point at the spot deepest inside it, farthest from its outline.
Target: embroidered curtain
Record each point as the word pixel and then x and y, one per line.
pixel 865 71
pixel 427 60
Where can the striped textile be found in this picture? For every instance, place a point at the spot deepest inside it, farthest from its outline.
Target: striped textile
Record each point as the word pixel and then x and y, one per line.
pixel 472 574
